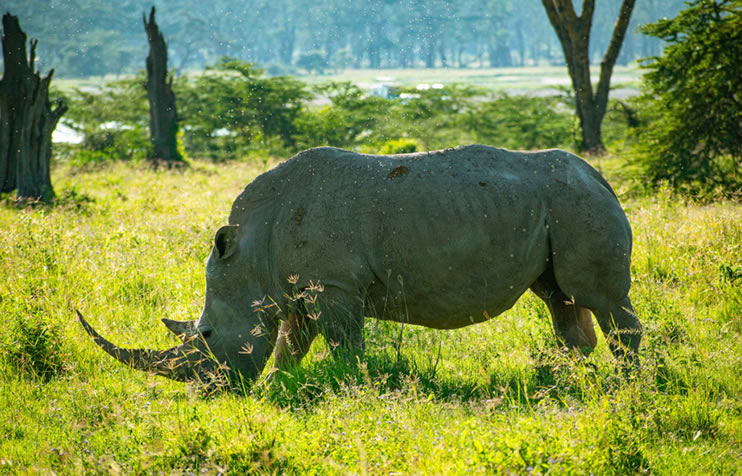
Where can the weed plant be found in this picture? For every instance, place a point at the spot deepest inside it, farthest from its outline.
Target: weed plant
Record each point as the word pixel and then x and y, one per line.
pixel 127 244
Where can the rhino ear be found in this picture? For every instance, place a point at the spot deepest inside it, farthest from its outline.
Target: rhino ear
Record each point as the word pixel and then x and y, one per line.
pixel 226 241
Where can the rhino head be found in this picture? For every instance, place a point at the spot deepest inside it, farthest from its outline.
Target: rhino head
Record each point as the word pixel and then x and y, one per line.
pixel 233 338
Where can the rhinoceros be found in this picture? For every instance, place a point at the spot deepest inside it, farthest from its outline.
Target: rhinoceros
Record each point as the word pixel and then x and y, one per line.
pixel 440 239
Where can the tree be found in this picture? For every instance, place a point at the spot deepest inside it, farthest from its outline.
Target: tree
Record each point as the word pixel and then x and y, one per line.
pixel 163 115
pixel 693 97
pixel 312 62
pixel 573 32
pixel 27 119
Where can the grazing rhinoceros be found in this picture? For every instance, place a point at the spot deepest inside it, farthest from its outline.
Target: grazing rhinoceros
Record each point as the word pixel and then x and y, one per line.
pixel 442 239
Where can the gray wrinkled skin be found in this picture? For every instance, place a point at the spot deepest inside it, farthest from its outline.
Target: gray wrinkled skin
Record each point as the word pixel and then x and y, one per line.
pixel 443 239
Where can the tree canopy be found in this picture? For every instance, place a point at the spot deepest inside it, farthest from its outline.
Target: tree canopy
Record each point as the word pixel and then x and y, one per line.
pixel 692 134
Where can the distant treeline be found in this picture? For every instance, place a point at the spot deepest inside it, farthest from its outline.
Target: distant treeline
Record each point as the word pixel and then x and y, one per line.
pixel 92 38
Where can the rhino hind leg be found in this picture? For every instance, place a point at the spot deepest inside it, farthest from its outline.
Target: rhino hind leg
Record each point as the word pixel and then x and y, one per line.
pixel 621 328
pixel 573 324
pixel 601 283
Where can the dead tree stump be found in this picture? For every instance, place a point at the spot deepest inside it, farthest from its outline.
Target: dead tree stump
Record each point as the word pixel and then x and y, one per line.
pixel 163 116
pixel 27 119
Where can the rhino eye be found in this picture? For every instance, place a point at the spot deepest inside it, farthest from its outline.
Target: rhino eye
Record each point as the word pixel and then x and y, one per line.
pixel 206 333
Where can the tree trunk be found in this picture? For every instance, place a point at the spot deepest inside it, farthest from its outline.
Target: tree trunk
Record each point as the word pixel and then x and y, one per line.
pixel 27 119
pixel 574 34
pixel 163 116
pixel 287 41
pixel 521 44
pixel 429 52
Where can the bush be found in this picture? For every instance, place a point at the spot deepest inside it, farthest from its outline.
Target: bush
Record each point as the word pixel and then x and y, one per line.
pixel 226 112
pixel 399 146
pixel 433 116
pixel 522 122
pixel 114 144
pixel 348 122
pixel 232 108
pixel 114 122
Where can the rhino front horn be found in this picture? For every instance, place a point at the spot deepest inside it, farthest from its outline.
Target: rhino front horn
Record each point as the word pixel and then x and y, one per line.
pixel 173 363
pixel 183 329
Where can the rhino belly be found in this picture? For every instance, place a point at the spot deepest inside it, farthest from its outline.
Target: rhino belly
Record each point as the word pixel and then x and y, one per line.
pixel 458 276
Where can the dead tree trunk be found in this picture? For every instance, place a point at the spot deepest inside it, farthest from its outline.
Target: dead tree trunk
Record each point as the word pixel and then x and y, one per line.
pixel 574 35
pixel 27 119
pixel 163 117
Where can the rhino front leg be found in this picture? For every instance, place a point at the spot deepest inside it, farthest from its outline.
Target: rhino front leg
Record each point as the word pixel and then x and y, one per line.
pixel 294 340
pixel 341 322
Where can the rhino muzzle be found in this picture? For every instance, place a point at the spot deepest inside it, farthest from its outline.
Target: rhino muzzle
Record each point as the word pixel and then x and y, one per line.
pixel 184 363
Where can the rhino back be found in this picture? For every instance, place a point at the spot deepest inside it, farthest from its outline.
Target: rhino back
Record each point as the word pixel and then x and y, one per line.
pixel 441 239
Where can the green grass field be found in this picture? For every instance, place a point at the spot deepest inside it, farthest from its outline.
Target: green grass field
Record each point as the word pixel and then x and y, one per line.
pixel 127 246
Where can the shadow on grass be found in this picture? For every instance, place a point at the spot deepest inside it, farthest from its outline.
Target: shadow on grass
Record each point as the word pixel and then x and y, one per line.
pixel 554 375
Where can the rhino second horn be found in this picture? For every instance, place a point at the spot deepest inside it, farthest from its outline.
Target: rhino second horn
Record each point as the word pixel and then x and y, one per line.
pixel 172 363
pixel 183 329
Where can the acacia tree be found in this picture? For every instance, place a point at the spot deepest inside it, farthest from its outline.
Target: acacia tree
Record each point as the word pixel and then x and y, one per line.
pixel 27 119
pixel 574 34
pixel 692 96
pixel 162 113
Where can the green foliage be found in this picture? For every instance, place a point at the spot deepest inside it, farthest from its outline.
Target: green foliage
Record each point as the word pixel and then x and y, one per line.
pixel 121 102
pixel 522 122
pixel 232 107
pixel 114 122
pixel 356 120
pixel 399 146
pixel 232 110
pixel 114 144
pixel 32 347
pixel 433 116
pixel 347 122
pixel 692 100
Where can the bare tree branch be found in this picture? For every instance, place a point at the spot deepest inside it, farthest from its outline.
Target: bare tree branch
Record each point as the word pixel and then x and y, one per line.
pixel 611 54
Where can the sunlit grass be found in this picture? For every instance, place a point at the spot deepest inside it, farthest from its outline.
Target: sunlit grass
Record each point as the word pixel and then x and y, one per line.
pixel 127 245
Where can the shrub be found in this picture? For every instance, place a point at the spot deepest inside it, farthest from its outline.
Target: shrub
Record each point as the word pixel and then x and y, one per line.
pixel 399 146
pixel 114 144
pixel 349 121
pixel 232 107
pixel 522 122
pixel 114 122
pixel 435 116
